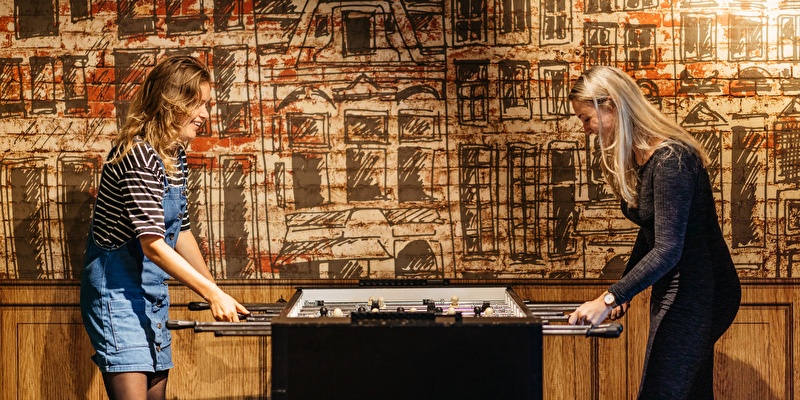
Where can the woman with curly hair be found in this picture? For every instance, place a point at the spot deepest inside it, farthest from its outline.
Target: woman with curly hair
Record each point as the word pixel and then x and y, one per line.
pixel 140 234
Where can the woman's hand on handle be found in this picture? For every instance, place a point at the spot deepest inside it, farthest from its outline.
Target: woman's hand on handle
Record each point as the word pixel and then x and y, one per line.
pixel 619 311
pixel 590 313
pixel 224 307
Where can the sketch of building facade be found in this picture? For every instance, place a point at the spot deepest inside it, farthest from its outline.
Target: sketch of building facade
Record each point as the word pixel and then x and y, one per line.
pixel 398 138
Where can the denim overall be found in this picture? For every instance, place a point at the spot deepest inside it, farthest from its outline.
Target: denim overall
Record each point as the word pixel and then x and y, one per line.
pixel 124 298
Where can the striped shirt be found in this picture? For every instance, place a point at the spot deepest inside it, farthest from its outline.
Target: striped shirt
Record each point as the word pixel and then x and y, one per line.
pixel 129 200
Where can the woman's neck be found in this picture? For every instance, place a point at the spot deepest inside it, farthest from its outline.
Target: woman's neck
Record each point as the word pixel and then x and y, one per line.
pixel 641 156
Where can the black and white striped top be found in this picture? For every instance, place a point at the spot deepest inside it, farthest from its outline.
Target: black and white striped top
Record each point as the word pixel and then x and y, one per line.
pixel 130 194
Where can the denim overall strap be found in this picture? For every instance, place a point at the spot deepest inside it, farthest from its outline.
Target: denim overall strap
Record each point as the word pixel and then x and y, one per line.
pixel 154 279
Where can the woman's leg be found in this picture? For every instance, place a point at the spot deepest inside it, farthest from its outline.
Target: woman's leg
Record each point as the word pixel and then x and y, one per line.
pixel 703 385
pixel 157 385
pixel 136 385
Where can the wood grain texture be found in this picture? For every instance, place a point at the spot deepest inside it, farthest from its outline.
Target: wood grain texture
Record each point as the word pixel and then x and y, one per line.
pixel 45 352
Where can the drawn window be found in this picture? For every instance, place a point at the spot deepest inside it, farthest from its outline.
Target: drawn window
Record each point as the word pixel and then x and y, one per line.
pixel 789 37
pixel 791 210
pixel 43 85
pixel 366 174
pixel 640 46
pixel 24 186
pixel 515 16
pixel 601 43
pixel 600 6
pixel 476 183
pixel 699 37
pixel 280 184
pixel 185 17
pixel 77 179
pixel 418 126
pixel 561 215
pixel 414 174
pixel 630 5
pixel 275 23
pixel 787 152
pixel 199 183
pixel 554 86
pixel 747 38
pixel 75 96
pixel 11 101
pixel 231 90
pixel 427 26
pixel 309 179
pixel 36 18
pixel 307 130
pixel 523 195
pixel 359 33
pixel 470 21
pixel 228 15
pixel 136 18
pixel 366 127
pixel 748 187
pixel 80 10
pixel 472 85
pixel 514 90
pixel 321 26
pixel 237 210
pixel 556 22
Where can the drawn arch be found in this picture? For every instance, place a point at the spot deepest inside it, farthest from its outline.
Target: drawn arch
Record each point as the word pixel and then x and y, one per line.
pixel 424 89
pixel 417 260
pixel 304 93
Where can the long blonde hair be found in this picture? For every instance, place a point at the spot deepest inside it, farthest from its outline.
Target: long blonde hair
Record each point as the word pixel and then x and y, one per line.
pixel 171 91
pixel 638 125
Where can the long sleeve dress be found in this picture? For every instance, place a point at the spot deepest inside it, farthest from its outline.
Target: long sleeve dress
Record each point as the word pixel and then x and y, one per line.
pixel 681 253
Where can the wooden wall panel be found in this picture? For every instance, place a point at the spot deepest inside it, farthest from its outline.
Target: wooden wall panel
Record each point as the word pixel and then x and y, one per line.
pixel 223 367
pixel 45 352
pixel 46 355
pixel 753 360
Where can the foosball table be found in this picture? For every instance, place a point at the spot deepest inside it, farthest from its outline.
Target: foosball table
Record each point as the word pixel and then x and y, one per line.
pixel 404 342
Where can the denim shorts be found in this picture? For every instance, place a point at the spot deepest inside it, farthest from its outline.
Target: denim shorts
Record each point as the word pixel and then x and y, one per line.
pixel 126 320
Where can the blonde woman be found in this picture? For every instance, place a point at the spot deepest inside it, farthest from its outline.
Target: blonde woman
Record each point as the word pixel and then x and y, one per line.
pixel 659 172
pixel 140 235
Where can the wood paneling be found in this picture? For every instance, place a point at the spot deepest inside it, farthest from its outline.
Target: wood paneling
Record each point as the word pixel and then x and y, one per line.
pixel 45 352
pixel 753 360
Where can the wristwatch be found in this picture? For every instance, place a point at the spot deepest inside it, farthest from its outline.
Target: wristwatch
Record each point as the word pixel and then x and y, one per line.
pixel 609 299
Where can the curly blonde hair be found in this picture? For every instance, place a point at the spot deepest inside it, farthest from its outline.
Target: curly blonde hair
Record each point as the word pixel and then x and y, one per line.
pixel 638 126
pixel 171 91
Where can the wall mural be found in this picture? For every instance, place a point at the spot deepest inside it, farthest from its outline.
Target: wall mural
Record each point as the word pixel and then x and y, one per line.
pixel 399 138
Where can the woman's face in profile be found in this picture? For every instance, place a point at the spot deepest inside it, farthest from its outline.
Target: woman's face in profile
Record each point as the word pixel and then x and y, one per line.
pixel 194 121
pixel 599 121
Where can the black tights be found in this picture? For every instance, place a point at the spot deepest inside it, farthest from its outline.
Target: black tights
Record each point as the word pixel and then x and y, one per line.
pixel 136 385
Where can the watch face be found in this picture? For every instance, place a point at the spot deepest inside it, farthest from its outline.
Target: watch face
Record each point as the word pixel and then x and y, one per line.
pixel 609 299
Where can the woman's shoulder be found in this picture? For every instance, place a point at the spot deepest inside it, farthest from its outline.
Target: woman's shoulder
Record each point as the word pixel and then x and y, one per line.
pixel 678 154
pixel 141 155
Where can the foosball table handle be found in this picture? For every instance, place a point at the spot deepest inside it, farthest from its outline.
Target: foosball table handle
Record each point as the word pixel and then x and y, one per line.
pixel 612 330
pixel 179 324
pixel 273 308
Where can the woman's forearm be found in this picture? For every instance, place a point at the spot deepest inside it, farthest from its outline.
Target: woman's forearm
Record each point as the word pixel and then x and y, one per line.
pixel 178 267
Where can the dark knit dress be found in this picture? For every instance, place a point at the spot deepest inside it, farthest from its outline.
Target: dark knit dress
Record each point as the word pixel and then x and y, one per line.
pixel 681 253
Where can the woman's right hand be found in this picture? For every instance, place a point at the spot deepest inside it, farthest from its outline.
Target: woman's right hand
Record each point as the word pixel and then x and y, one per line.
pixel 224 307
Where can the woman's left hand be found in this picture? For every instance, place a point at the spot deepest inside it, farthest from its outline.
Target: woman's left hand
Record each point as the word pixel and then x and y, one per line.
pixel 590 313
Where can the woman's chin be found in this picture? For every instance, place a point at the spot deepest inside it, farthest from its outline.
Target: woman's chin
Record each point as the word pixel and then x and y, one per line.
pixel 187 137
